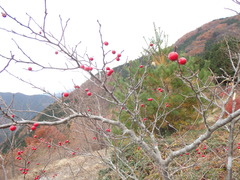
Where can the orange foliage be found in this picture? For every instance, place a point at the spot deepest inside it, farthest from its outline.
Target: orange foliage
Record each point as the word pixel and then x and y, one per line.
pixel 31 141
pixel 48 133
pixel 205 36
pixel 221 26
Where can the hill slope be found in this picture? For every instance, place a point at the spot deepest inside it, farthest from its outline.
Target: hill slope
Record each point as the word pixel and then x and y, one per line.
pixel 198 40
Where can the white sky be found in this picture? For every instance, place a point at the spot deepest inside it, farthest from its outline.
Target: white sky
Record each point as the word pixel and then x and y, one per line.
pixel 124 24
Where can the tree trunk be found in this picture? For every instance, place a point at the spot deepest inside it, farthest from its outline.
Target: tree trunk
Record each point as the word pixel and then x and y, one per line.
pixel 230 150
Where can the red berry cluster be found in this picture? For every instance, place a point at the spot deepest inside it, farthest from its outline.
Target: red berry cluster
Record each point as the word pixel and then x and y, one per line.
pixel 109 71
pixel 86 68
pixel 173 56
pixel 118 57
pixel 34 127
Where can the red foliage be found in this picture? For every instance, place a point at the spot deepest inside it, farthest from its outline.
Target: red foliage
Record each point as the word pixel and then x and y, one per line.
pixel 229 106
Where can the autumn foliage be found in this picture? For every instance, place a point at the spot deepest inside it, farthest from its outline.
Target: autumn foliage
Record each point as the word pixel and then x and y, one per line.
pixel 48 133
pixel 233 104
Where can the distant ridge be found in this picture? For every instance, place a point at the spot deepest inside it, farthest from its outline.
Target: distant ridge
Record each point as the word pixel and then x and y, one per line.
pixel 24 102
pixel 19 103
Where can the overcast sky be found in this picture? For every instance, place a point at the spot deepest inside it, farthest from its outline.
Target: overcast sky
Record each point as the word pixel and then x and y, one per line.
pixel 124 24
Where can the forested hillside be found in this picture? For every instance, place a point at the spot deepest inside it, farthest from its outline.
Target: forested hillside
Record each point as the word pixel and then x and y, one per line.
pixel 202 38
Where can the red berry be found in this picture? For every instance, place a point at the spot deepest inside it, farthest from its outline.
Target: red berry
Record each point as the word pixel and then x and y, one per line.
pixel 33 128
pixel 113 52
pixel 119 55
pixel 141 66
pixel 167 105
pixel 105 43
pixel 111 70
pixel 151 44
pixel 29 68
pixel 65 94
pixel 142 105
pixel 182 61
pixel 12 128
pixel 91 58
pixel 76 87
pixel 108 130
pixel 35 124
pixel 173 56
pixel 94 138
pixel 86 89
pixel 89 93
pixel 150 99
pixel 82 66
pixel 56 52
pixel 4 14
pixel 12 115
pixel 67 141
pixel 109 73
pixel 107 68
pixel 35 136
pixel 117 58
pixel 87 68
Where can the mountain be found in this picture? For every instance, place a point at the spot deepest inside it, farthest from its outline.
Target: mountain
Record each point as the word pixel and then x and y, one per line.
pixel 198 40
pixel 21 103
